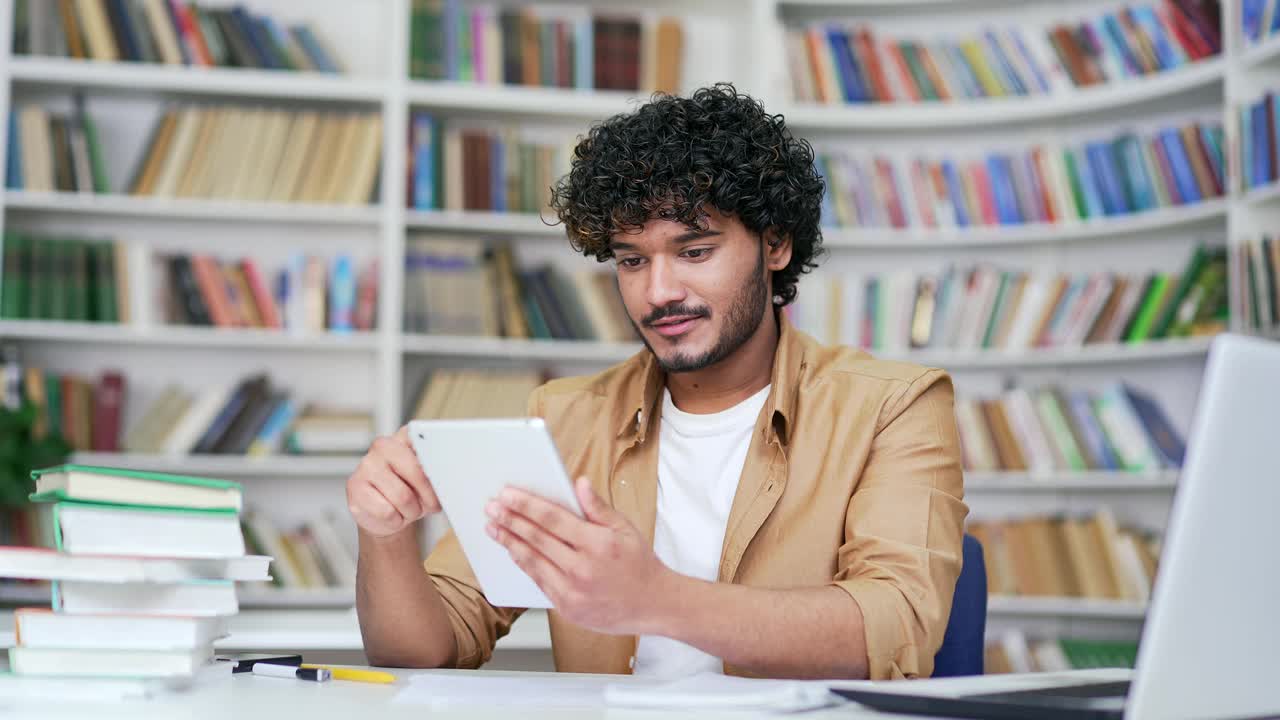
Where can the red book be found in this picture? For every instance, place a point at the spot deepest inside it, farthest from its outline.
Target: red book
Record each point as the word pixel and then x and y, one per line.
pixel 986 199
pixel 889 192
pixel 261 296
pixel 1198 147
pixel 1166 171
pixel 1046 193
pixel 191 36
pixel 366 315
pixel 564 68
pixel 1168 18
pixel 866 46
pixel 1195 26
pixel 923 191
pixel 213 290
pixel 815 47
pixel 108 404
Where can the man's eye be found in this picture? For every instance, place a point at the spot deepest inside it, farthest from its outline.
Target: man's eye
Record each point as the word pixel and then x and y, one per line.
pixel 629 262
pixel 697 253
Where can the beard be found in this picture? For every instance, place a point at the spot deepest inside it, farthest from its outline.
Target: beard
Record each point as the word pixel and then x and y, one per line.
pixel 742 320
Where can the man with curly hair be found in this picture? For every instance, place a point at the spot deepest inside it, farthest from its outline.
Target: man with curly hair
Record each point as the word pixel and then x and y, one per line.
pixel 756 503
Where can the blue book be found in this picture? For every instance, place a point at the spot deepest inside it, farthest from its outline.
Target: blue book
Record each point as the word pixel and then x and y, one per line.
pixel 1275 20
pixel 1114 176
pixel 1029 60
pixel 1003 65
pixel 222 421
pixel 1080 410
pixel 1246 142
pixel 969 81
pixel 1040 212
pixel 1113 35
pixel 1183 175
pixel 129 47
pixel 1251 16
pixel 1002 191
pixel 850 83
pixel 244 21
pixel 1164 439
pixel 823 166
pixel 424 186
pixel 1267 139
pixel 1093 207
pixel 1141 191
pixel 279 38
pixel 13 160
pixel 342 295
pixel 314 50
pixel 1213 142
pixel 1064 307
pixel 1145 17
pixel 584 54
pixel 498 173
pixel 1111 205
pixel 451 59
pixel 956 190
pixel 271 436
pixel 1258 143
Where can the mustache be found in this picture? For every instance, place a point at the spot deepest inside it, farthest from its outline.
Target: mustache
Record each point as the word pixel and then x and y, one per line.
pixel 674 311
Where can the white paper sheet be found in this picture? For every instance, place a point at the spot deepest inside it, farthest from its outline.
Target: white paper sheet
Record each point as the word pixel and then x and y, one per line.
pixel 542 690
pixel 712 691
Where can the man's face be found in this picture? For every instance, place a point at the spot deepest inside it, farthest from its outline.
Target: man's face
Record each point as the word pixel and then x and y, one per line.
pixel 694 296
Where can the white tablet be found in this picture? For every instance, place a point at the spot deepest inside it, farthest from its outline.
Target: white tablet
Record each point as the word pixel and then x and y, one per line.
pixel 469 462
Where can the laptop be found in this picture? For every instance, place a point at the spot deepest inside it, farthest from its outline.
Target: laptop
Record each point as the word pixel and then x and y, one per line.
pixel 1210 647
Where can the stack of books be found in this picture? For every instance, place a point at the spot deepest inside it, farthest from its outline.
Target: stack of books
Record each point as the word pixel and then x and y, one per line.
pixel 1050 429
pixel 50 151
pixel 1260 19
pixel 252 417
pixel 460 287
pixel 312 556
pixel 1051 183
pixel 1086 557
pixel 455 394
pixel 310 294
pixel 64 278
pixel 143 569
pixel 453 167
pixel 172 33
pixel 987 308
pixel 1259 290
pixel 541 46
pixel 1014 652
pixel 831 63
pixel 262 155
pixel 1259 140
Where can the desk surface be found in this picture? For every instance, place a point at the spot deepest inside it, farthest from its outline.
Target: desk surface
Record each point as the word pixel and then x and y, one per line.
pixel 250 696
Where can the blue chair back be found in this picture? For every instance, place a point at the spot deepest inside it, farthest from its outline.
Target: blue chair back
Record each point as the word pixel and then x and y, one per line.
pixel 962 644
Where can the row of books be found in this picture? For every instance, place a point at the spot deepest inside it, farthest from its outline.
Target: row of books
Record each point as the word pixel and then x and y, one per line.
pixel 55 151
pixel 1260 19
pixel 1084 557
pixel 1051 429
pixel 539 46
pixel 460 287
pixel 459 168
pixel 257 154
pixel 85 411
pixel 987 308
pixel 62 278
pixel 251 417
pixel 169 32
pixel 830 63
pixel 309 294
pixel 469 393
pixel 1013 652
pixel 1047 183
pixel 315 554
pixel 1259 140
pixel 144 576
pixel 1259 260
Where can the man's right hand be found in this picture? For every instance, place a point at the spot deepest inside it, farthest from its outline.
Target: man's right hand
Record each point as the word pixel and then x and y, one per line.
pixel 389 492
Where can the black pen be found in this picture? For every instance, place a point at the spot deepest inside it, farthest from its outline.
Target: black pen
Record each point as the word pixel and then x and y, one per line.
pixel 289 671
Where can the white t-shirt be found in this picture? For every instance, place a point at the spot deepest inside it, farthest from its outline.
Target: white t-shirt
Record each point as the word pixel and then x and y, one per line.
pixel 700 459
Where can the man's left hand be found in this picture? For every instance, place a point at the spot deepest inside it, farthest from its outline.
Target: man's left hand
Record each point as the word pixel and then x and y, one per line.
pixel 600 572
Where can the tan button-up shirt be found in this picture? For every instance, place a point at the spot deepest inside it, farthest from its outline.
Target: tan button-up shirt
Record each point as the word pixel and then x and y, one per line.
pixel 853 478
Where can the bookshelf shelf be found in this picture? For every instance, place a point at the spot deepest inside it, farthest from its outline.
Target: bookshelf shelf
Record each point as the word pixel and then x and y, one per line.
pixel 116 205
pixel 1166 219
pixel 1261 54
pixel 1164 481
pixel 518 100
pixel 474 221
pixel 1006 111
pixel 182 80
pixel 1102 354
pixel 1066 607
pixel 517 349
pixel 226 465
pixel 195 337
pixel 1263 195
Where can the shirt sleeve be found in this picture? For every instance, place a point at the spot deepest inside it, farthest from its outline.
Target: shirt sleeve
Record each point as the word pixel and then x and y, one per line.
pixel 904 530
pixel 476 624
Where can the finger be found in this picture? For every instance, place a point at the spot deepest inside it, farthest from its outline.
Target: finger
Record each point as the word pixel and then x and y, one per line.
pixel 553 548
pixel 592 505
pixel 551 516
pixel 396 491
pixel 371 507
pixel 399 454
pixel 544 573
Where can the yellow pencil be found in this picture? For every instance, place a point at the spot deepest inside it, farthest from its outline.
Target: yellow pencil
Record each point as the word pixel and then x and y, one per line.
pixel 369 676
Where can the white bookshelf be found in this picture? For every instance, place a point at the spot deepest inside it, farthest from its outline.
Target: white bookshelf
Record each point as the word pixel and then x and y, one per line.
pixel 1031 606
pixel 373 368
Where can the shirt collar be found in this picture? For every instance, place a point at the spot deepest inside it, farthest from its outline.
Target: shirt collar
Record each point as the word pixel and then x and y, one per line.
pixel 641 403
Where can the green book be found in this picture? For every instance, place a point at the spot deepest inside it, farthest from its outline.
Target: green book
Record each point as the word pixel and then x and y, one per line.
pixel 1086 654
pixel 1050 412
pixel 56 280
pixel 77 282
pixel 13 286
pixel 465 60
pixel 997 313
pixel 1073 178
pixel 916 68
pixel 1188 279
pixel 104 283
pixel 135 488
pixel 1152 302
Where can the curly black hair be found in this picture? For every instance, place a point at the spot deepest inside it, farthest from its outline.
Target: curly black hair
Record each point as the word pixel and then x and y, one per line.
pixel 673 157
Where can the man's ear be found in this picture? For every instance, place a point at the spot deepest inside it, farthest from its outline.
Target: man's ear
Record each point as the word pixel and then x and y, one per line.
pixel 777 249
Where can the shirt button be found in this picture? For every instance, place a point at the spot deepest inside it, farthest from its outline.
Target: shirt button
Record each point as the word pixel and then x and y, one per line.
pixel 622 482
pixel 631 663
